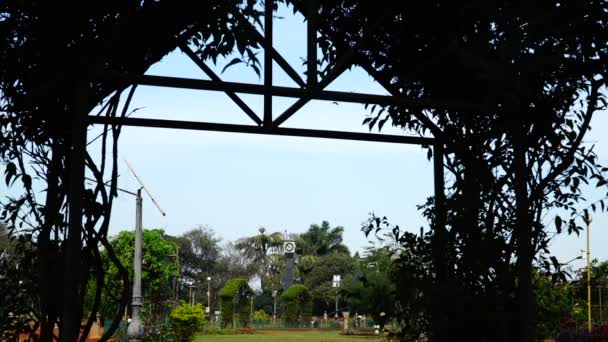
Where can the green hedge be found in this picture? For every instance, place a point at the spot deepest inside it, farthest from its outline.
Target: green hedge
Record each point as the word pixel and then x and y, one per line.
pixel 297 305
pixel 235 298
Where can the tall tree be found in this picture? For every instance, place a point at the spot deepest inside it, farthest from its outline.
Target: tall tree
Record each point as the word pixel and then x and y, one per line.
pixel 321 239
pixel 51 60
pixel 257 249
pixel 158 269
pixel 368 290
pixel 319 280
pixel 199 251
pixel 316 242
pixel 509 89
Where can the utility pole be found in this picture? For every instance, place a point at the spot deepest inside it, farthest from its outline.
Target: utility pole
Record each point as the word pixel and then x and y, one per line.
pixel 136 328
pixel 588 222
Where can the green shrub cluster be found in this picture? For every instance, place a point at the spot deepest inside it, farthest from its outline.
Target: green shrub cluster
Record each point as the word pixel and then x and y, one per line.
pixel 297 305
pixel 187 320
pixel 261 316
pixel 235 298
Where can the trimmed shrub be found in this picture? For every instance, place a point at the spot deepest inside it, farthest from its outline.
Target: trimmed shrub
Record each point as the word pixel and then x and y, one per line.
pixel 297 305
pixel 187 320
pixel 235 298
pixel 261 316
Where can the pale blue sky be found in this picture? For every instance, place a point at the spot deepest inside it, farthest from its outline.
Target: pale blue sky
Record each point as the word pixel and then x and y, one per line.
pixel 236 183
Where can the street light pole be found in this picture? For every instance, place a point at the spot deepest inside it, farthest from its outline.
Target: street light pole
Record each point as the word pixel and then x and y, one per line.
pixel 192 294
pixel 337 298
pixel 588 222
pixel 336 284
pixel 274 309
pixel 209 296
pixel 136 328
pixel 135 331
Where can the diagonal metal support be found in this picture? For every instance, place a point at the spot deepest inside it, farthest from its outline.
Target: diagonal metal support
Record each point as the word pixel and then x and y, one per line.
pixel 341 65
pixel 214 77
pixel 437 133
pixel 289 70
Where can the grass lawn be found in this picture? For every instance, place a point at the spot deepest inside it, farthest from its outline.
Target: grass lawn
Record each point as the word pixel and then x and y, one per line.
pixel 287 336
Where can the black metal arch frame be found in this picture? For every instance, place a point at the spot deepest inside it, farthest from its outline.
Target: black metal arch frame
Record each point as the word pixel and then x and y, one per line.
pixel 312 88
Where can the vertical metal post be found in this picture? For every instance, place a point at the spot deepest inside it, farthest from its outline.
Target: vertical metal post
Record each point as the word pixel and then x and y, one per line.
pixel 234 301
pixel 588 221
pixel 251 313
pixel 268 12
pixel 192 295
pixel 311 35
pixel 440 206
pixel 209 296
pixel 136 328
pixel 439 240
pixel 600 302
pixel 72 310
pixel 178 276
pixel 337 299
pixel 274 308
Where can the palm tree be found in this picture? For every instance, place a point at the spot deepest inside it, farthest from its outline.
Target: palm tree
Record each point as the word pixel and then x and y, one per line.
pixel 256 248
pixel 316 242
pixel 321 240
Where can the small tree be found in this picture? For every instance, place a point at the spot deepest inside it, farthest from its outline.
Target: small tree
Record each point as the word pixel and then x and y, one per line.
pixel 186 321
pixel 235 298
pixel 297 305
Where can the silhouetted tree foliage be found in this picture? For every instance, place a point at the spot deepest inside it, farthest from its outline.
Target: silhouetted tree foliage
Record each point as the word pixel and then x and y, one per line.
pixel 510 89
pixel 52 59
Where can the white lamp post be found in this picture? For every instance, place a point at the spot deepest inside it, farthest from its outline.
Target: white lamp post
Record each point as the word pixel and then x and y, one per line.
pixel 209 297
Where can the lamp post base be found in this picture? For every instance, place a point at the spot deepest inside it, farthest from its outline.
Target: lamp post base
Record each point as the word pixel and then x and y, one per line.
pixel 135 331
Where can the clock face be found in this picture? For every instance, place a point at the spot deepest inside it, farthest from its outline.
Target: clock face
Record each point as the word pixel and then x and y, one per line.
pixel 289 247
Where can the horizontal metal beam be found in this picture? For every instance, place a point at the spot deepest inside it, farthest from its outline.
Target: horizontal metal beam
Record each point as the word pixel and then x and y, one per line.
pixel 295 132
pixel 250 88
